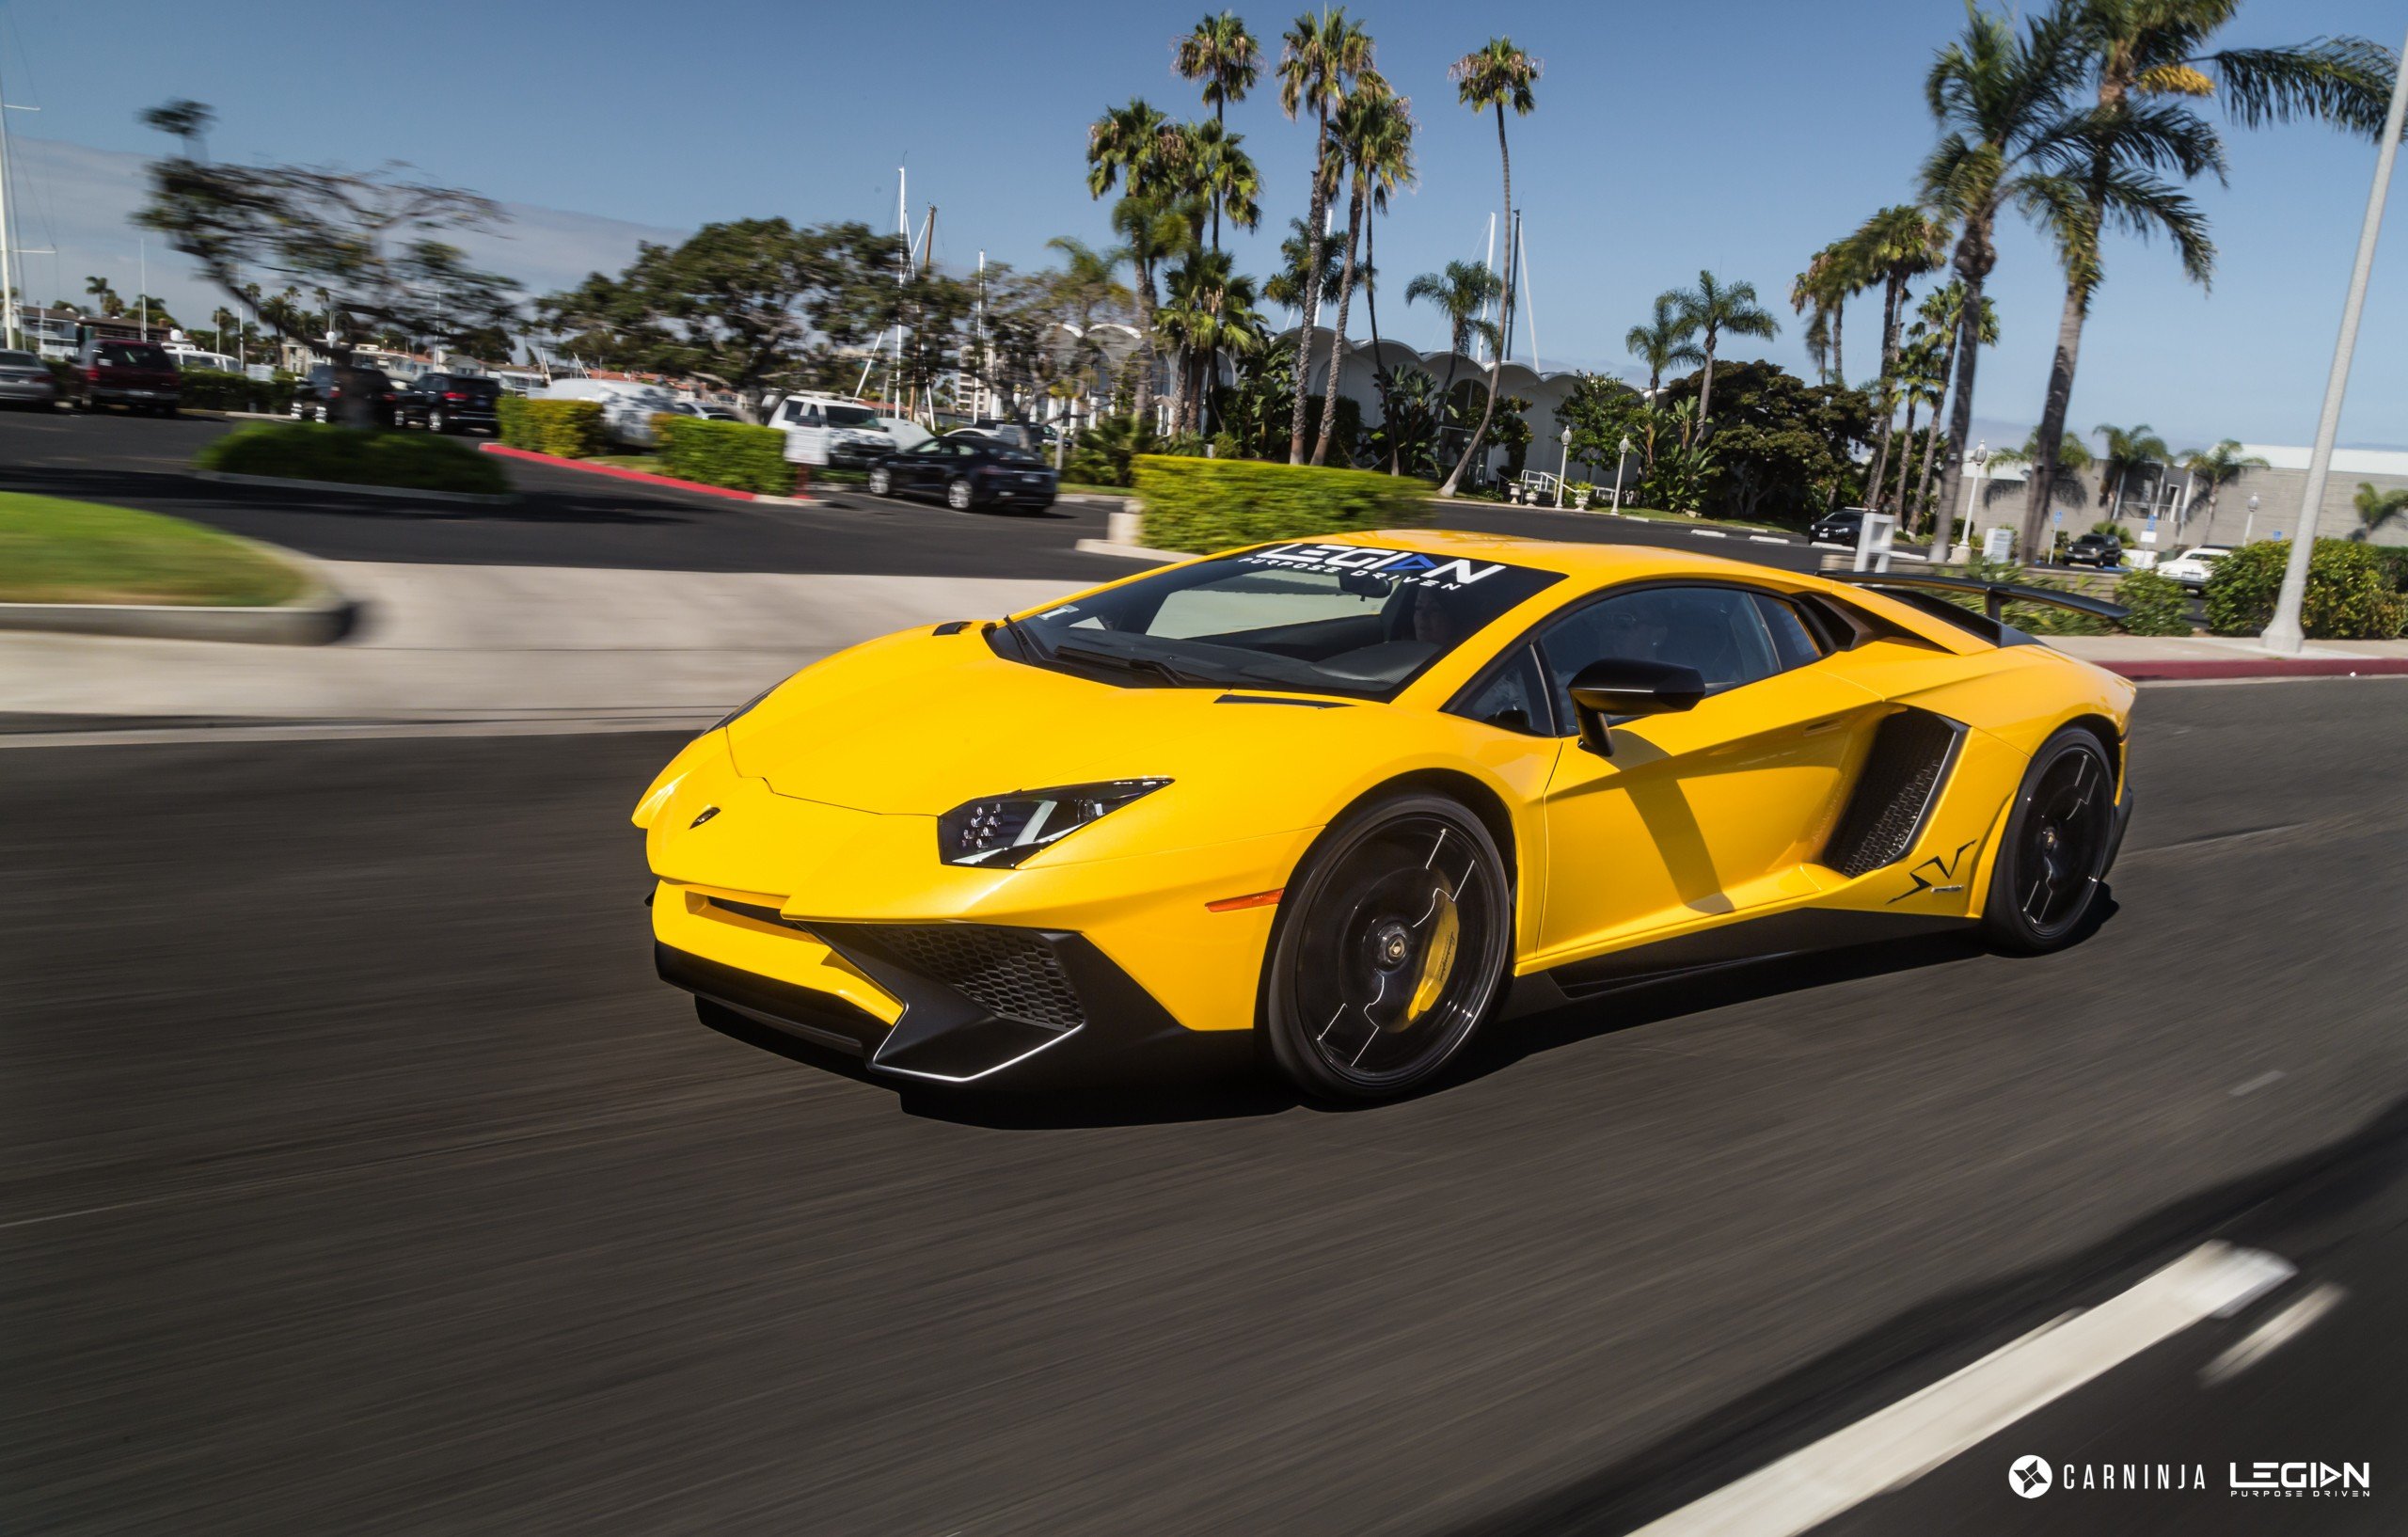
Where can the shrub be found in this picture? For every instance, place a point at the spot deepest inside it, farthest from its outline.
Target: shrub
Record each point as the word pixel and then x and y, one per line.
pixel 2351 595
pixel 2034 618
pixel 571 428
pixel 215 390
pixel 1201 505
pixel 309 451
pixel 729 453
pixel 2158 604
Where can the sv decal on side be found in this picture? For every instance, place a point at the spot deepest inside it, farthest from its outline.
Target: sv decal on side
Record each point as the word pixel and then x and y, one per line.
pixel 1934 875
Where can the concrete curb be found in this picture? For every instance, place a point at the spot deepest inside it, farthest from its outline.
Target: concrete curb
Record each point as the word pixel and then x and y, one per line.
pixel 403 492
pixel 2203 670
pixel 320 616
pixel 1129 552
pixel 644 477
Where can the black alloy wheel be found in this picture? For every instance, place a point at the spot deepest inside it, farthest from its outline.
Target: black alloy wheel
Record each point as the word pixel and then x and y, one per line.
pixel 2059 838
pixel 957 494
pixel 881 481
pixel 1393 943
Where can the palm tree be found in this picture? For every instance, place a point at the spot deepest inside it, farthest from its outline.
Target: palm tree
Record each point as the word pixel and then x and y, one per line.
pixel 1208 307
pixel 1824 287
pixel 1999 96
pixel 2127 449
pixel 1709 310
pixel 1154 230
pixel 1136 147
pixel 1897 246
pixel 1920 380
pixel 2144 58
pixel 1224 56
pixel 1090 283
pixel 1669 342
pixel 1944 310
pixel 1491 79
pixel 100 288
pixel 2377 508
pixel 1301 255
pixel 1385 153
pixel 1372 136
pixel 1214 169
pixel 2065 486
pixel 1321 57
pixel 1462 292
pixel 2217 467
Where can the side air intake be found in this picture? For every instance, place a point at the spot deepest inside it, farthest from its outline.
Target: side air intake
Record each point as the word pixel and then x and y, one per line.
pixel 1894 791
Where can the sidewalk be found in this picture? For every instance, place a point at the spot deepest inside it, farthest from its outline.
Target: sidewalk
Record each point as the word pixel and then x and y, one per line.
pixel 479 642
pixel 2196 658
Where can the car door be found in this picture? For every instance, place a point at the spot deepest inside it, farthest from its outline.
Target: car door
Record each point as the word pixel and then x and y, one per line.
pixel 1703 813
pixel 925 467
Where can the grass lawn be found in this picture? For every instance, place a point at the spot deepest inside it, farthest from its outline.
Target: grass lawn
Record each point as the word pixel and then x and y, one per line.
pixel 649 462
pixel 57 551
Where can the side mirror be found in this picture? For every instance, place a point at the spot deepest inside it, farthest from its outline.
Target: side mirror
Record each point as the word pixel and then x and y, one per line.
pixel 1627 686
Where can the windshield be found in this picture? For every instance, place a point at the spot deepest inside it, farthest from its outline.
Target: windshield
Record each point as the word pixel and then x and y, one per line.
pixel 133 354
pixel 1344 619
pixel 851 416
pixel 19 359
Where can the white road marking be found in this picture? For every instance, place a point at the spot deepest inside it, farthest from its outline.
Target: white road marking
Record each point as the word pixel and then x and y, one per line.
pixel 1707 533
pixel 2272 1335
pixel 1766 539
pixel 1896 1446
pixel 2263 1080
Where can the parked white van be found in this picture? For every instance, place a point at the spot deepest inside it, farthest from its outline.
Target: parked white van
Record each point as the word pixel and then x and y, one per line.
pixel 628 406
pixel 859 437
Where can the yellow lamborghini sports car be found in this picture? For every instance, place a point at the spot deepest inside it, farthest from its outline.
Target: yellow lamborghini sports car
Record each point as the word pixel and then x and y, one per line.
pixel 1333 802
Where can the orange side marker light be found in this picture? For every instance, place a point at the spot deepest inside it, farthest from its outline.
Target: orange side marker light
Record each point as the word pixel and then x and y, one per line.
pixel 1233 904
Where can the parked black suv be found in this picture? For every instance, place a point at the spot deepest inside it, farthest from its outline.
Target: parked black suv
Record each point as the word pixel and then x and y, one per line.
pixel 139 375
pixel 449 403
pixel 2095 549
pixel 316 397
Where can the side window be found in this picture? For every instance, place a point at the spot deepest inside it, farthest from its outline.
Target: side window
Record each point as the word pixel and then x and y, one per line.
pixel 1513 699
pixel 790 411
pixel 1792 642
pixel 1718 630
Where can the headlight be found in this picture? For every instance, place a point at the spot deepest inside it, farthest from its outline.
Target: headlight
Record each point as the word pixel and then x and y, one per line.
pixel 1007 829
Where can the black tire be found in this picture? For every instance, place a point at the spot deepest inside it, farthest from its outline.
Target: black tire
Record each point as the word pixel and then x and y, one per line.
pixel 437 422
pixel 1394 939
pixel 881 481
pixel 2053 859
pixel 958 495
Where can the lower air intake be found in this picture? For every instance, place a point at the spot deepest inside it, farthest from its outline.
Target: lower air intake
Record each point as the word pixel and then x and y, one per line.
pixel 1008 972
pixel 1893 792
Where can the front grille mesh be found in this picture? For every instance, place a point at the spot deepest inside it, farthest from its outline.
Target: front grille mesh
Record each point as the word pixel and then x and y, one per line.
pixel 1885 811
pixel 1005 971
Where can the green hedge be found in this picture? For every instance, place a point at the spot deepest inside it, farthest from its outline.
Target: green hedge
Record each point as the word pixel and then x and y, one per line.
pixel 2158 604
pixel 571 428
pixel 213 389
pixel 309 451
pixel 1201 505
pixel 2352 593
pixel 729 453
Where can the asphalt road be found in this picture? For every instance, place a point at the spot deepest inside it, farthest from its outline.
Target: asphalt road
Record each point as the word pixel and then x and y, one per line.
pixel 572 518
pixel 355 1175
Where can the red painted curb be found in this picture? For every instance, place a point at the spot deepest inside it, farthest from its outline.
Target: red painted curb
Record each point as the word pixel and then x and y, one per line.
pixel 616 473
pixel 2272 667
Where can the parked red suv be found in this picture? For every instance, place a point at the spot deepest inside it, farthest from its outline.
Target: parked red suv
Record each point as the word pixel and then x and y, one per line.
pixel 139 375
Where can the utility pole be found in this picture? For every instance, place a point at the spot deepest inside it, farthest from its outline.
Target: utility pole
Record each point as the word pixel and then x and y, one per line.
pixel 2284 634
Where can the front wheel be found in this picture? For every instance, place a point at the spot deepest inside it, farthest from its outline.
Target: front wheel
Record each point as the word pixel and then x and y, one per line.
pixel 2060 834
pixel 437 422
pixel 957 495
pixel 1394 939
pixel 882 483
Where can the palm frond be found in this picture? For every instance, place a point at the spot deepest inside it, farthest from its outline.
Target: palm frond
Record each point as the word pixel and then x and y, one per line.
pixel 2345 82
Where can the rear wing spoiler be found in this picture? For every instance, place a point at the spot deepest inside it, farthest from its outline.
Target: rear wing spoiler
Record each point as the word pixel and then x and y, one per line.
pixel 1996 595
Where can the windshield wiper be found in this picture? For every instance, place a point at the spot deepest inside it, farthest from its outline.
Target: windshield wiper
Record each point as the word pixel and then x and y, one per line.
pixel 1177 676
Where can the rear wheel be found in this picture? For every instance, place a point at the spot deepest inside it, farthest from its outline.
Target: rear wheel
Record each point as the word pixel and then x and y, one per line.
pixel 958 495
pixel 2060 834
pixel 881 481
pixel 1394 939
pixel 436 421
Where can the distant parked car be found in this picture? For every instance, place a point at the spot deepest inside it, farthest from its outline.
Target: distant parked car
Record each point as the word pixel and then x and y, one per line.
pixel 860 438
pixel 1017 435
pixel 316 395
pixel 449 403
pixel 1840 528
pixel 628 406
pixel 25 380
pixel 705 410
pixel 2095 549
pixel 2193 568
pixel 968 472
pixel 139 375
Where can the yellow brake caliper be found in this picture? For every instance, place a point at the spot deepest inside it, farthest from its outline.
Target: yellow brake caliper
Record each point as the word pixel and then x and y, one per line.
pixel 1437 957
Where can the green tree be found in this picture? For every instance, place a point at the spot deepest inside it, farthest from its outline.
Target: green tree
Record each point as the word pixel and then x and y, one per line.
pixel 2129 449
pixel 1224 58
pixel 2377 508
pixel 1137 149
pixel 186 121
pixel 100 290
pixel 1372 141
pixel 1461 292
pixel 2144 60
pixel 1294 286
pixel 1781 448
pixel 2212 470
pixel 1490 80
pixel 1713 309
pixel 2066 469
pixel 1381 145
pixel 1894 246
pixel 1944 310
pixel 2007 138
pixel 1321 58
pixel 1603 413
pixel 1829 280
pixel 1666 341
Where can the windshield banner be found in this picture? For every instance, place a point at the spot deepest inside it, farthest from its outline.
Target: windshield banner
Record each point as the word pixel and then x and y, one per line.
pixel 1410 567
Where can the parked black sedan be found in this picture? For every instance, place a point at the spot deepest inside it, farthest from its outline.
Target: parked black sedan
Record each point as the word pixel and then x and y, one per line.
pixel 1839 528
pixel 968 472
pixel 317 396
pixel 449 403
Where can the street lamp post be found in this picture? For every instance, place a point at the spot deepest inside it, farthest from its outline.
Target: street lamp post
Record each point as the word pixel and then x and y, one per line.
pixel 1980 457
pixel 2284 634
pixel 2250 524
pixel 1622 456
pixel 1562 464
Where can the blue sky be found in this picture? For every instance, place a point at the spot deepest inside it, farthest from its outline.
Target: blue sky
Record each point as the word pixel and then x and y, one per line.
pixel 1737 136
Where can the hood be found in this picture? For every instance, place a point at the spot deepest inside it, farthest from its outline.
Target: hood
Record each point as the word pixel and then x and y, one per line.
pixel 919 724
